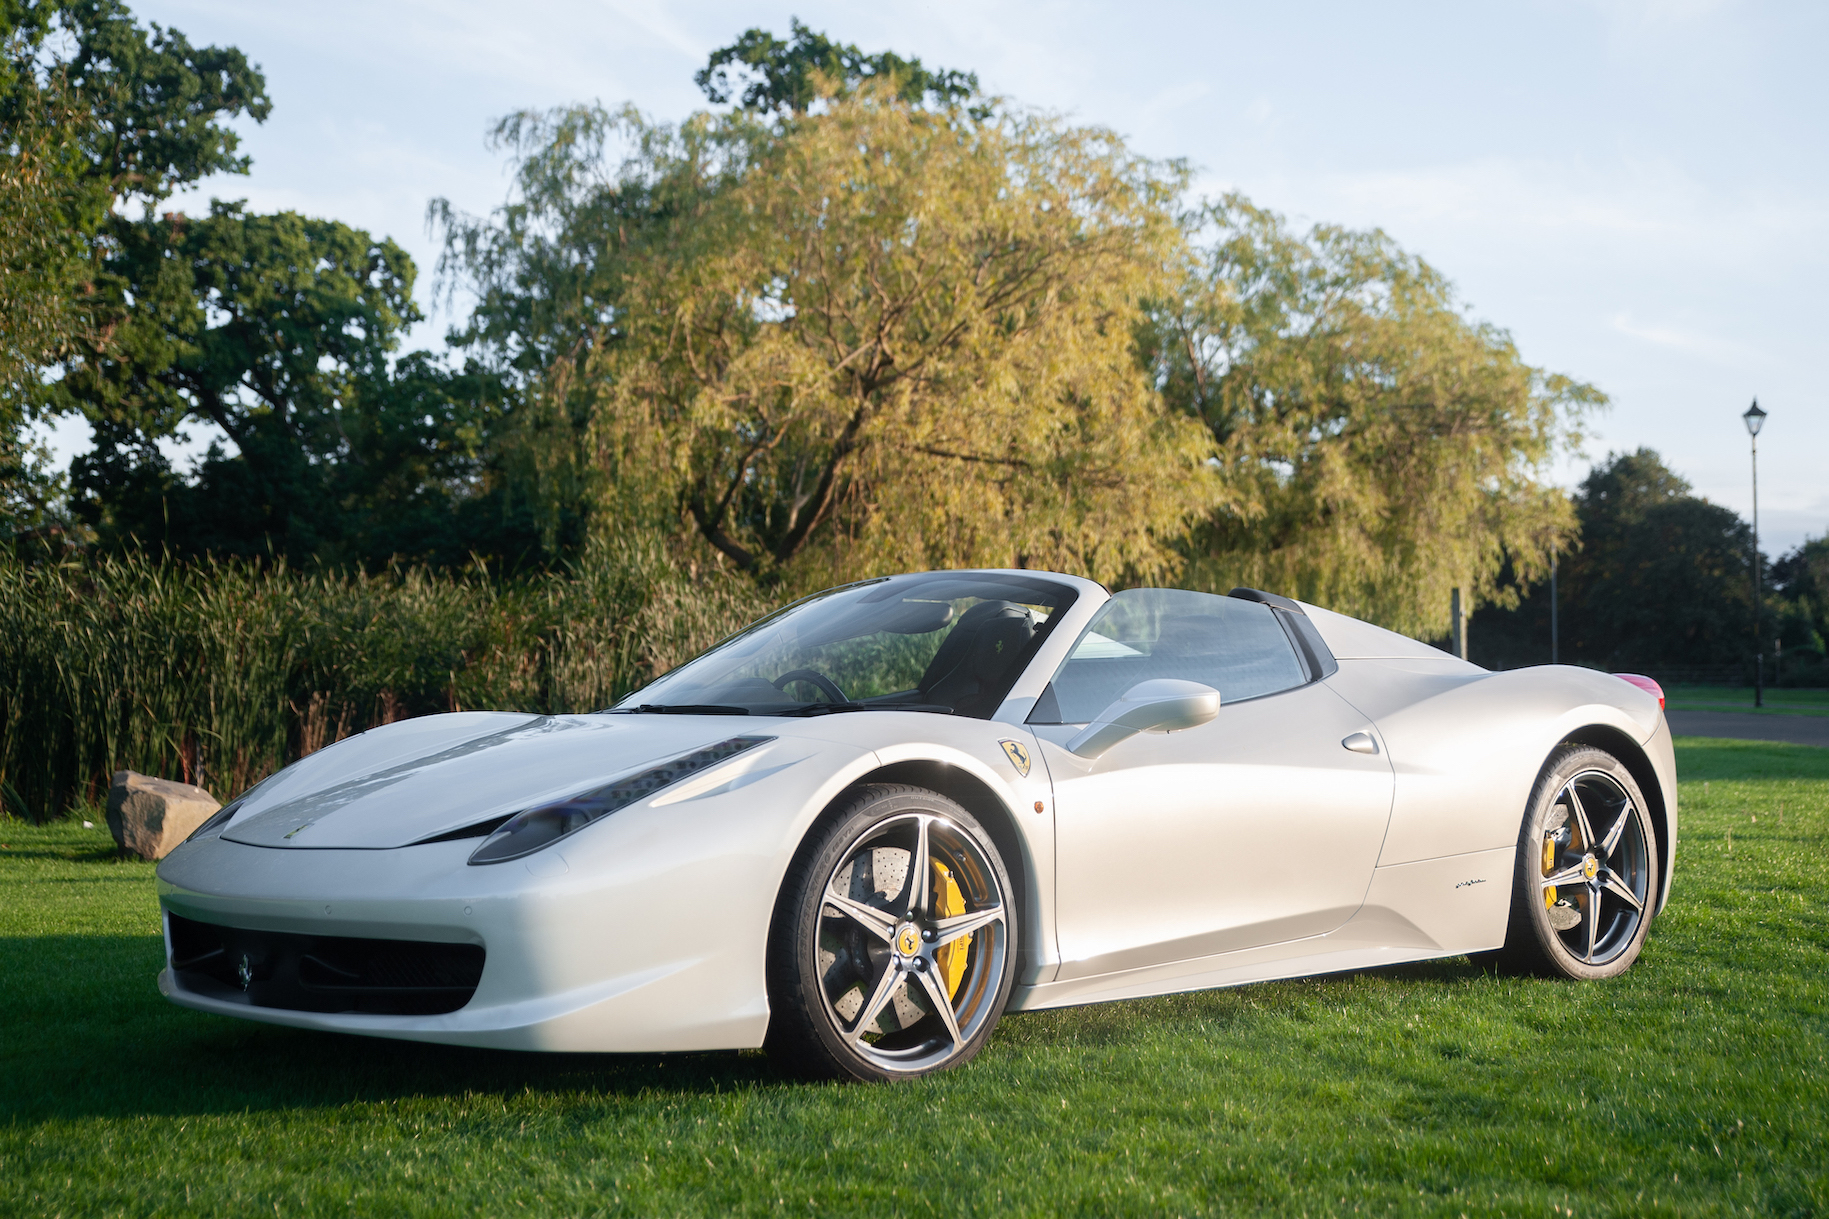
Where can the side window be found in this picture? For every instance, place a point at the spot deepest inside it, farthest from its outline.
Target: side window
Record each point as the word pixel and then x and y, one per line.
pixel 1237 647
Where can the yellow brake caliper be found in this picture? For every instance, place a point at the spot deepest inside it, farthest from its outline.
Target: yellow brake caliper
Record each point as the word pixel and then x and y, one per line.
pixel 1549 865
pixel 948 901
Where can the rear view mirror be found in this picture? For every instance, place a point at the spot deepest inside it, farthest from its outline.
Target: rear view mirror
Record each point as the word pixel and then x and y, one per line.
pixel 1162 705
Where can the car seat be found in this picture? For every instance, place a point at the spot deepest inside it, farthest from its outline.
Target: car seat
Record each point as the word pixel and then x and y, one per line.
pixel 977 659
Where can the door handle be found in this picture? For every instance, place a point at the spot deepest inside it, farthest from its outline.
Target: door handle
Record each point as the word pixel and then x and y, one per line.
pixel 1361 742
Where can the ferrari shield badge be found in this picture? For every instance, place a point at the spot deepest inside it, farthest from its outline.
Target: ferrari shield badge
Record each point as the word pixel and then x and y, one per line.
pixel 1019 757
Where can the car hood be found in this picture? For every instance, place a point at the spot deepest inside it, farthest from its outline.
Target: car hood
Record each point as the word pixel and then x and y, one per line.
pixel 416 779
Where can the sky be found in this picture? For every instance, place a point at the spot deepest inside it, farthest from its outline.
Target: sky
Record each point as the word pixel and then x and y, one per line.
pixel 1637 190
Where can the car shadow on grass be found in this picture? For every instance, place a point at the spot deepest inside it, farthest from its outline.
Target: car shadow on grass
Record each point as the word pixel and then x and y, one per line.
pixel 89 1035
pixel 1213 1012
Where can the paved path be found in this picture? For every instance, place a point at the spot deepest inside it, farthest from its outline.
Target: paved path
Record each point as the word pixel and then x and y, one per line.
pixel 1744 726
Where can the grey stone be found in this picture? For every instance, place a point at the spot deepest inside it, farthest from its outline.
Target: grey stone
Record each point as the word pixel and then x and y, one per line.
pixel 150 816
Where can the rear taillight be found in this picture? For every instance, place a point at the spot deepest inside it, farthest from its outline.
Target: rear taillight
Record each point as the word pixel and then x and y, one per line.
pixel 1646 684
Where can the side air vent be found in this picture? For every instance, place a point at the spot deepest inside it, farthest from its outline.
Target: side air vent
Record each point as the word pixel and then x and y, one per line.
pixel 320 973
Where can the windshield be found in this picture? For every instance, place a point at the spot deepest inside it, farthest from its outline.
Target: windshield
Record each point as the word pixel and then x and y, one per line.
pixel 952 642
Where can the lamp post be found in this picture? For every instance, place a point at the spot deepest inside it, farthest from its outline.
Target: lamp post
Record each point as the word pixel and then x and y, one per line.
pixel 1755 419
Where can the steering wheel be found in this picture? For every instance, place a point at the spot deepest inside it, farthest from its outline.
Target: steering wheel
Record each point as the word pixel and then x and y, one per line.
pixel 813 677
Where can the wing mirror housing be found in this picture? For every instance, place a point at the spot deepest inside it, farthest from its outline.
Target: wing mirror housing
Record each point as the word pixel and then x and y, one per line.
pixel 1162 705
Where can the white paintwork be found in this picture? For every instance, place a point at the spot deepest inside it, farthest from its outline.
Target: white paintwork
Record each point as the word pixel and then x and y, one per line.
pixel 1250 847
pixel 1254 828
pixel 1351 639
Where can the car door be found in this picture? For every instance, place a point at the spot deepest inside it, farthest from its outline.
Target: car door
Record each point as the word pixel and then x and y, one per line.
pixel 1255 828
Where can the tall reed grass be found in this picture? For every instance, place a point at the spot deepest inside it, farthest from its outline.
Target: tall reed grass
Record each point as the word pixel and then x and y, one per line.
pixel 220 673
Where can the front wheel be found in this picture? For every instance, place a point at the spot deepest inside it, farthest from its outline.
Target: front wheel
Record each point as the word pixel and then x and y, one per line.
pixel 1586 880
pixel 893 949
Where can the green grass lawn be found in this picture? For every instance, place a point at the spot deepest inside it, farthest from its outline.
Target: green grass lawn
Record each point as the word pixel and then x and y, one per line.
pixel 1697 1084
pixel 1740 698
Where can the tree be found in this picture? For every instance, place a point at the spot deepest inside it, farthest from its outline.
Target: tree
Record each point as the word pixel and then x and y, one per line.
pixel 96 111
pixel 872 338
pixel 1801 581
pixel 1377 448
pixel 38 245
pixel 790 76
pixel 1661 580
pixel 279 331
pixel 38 251
pixel 146 110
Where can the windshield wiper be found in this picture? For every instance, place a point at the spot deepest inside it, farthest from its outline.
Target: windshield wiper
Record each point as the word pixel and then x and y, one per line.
pixel 687 709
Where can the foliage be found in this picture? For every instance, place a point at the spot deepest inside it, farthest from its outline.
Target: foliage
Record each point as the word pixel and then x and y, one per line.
pixel 1662 576
pixel 38 245
pixel 1662 580
pixel 1378 448
pixel 149 110
pixel 261 325
pixel 879 337
pixel 792 76
pixel 98 112
pixel 280 331
pixel 220 672
pixel 1693 1085
pixel 1801 581
pixel 40 253
pixel 95 112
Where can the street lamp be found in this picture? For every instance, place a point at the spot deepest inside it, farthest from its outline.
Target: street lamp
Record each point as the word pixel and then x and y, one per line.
pixel 1755 419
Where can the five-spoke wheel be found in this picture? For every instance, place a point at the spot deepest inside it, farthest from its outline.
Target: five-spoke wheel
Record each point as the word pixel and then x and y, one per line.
pixel 893 951
pixel 1587 874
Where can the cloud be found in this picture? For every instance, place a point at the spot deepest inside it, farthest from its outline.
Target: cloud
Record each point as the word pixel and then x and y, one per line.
pixel 1660 12
pixel 1642 210
pixel 1166 101
pixel 1710 347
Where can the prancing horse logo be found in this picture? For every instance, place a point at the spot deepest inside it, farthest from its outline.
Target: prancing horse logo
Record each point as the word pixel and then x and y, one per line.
pixel 1019 757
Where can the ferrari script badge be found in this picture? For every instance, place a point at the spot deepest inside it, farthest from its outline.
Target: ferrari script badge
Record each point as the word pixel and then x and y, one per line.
pixel 1019 757
pixel 908 940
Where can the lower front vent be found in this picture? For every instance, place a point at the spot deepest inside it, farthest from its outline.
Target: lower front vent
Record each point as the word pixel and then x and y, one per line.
pixel 322 973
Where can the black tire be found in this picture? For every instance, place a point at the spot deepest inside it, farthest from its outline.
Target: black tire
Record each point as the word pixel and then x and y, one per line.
pixel 855 988
pixel 1585 884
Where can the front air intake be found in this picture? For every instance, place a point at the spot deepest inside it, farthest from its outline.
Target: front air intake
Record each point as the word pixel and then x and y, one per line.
pixel 321 973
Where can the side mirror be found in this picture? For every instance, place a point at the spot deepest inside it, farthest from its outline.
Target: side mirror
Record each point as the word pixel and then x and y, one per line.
pixel 1162 705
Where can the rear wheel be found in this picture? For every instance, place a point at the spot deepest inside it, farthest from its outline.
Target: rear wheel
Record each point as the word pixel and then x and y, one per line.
pixel 893 949
pixel 1586 880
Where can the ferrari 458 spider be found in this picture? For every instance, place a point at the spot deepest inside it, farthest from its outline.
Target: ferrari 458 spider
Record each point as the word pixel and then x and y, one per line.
pixel 863 828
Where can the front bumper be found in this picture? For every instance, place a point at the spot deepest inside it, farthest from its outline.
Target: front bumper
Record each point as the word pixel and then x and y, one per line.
pixel 645 932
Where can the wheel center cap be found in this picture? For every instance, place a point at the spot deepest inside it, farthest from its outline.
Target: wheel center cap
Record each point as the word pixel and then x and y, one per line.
pixel 908 940
pixel 1590 867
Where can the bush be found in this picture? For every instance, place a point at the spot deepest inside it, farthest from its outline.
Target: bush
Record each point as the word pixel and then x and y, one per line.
pixel 219 673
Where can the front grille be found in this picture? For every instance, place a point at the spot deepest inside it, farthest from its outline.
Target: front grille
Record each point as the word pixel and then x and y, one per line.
pixel 323 973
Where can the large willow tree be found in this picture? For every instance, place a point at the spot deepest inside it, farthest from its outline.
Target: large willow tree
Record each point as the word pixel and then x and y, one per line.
pixel 875 337
pixel 1378 448
pixel 869 320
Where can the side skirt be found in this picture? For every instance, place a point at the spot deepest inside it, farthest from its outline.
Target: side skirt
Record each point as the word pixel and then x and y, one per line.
pixel 1417 911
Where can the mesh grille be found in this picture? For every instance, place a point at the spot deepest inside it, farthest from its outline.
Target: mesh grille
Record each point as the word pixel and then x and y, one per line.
pixel 318 973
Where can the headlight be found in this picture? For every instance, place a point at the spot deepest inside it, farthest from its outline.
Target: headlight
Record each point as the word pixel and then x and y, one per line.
pixel 532 829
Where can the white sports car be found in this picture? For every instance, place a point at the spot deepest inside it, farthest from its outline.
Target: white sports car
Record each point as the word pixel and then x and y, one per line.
pixel 861 829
